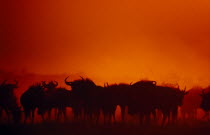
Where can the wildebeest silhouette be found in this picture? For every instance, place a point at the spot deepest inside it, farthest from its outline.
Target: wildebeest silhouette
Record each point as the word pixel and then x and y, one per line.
pixel 142 99
pixel 8 101
pixel 47 105
pixel 205 103
pixel 85 96
pixel 57 98
pixel 115 94
pixel 31 99
pixel 168 101
pixel 109 102
pixel 122 97
pixel 191 103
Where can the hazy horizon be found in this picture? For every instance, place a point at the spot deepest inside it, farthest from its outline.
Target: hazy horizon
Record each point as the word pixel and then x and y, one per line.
pixel 108 41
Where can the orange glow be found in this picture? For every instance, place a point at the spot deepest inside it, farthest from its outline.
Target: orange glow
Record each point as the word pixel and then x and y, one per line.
pixel 109 40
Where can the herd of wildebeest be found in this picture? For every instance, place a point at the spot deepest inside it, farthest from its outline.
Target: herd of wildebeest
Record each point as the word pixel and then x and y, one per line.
pixel 89 101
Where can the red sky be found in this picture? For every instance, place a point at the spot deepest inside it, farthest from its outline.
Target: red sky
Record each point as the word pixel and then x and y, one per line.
pixel 108 40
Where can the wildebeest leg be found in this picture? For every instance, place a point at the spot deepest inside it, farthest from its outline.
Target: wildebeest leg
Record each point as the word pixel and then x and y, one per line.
pixel 49 113
pixel 76 113
pixel 166 114
pixel 26 115
pixel 174 115
pixel 85 114
pixel 97 116
pixel 113 114
pixel 59 114
pixel 154 115
pixel 123 112
pixel 55 112
pixel 64 113
pixel 164 119
pixel 33 112
pixel 8 115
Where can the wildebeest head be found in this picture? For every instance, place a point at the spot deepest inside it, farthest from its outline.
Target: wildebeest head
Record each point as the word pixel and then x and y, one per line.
pixel 36 89
pixel 8 87
pixel 205 104
pixel 50 85
pixel 180 95
pixel 12 85
pixel 81 85
pixel 203 94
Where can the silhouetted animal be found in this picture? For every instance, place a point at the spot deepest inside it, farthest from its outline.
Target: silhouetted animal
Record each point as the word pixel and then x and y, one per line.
pixel 168 101
pixel 205 103
pixel 32 99
pixel 122 96
pixel 109 102
pixel 59 99
pixel 85 96
pixel 8 101
pixel 191 103
pixel 115 94
pixel 47 105
pixel 142 99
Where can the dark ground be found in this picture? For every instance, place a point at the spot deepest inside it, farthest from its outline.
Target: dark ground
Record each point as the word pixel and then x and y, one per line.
pixel 53 128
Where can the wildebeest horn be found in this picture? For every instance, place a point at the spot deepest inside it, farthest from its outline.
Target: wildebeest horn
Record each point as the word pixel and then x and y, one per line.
pixel 185 88
pixel 56 83
pixel 177 86
pixel 81 77
pixel 67 83
pixel 107 84
pixel 131 83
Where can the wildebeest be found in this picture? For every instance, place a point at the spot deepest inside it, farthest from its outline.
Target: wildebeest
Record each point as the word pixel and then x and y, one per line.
pixel 59 100
pixel 109 102
pixel 191 103
pixel 114 95
pixel 205 103
pixel 168 101
pixel 32 99
pixel 8 101
pixel 121 95
pixel 85 96
pixel 47 105
pixel 142 99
